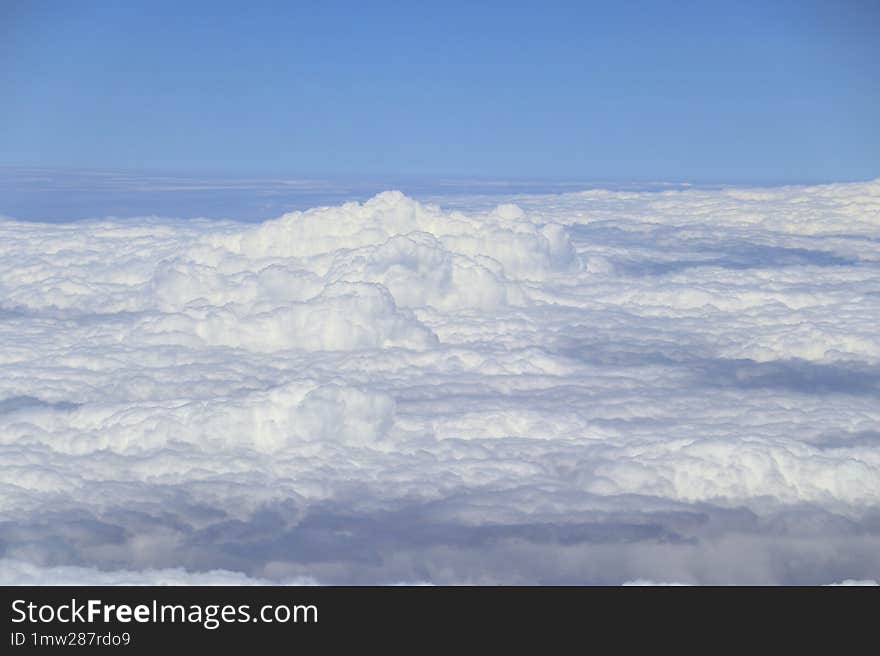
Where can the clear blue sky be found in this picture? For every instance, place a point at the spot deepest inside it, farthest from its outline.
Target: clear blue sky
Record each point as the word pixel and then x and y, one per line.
pixel 735 91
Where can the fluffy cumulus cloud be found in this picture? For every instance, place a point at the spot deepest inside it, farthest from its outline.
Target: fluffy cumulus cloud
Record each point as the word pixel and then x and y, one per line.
pixel 594 387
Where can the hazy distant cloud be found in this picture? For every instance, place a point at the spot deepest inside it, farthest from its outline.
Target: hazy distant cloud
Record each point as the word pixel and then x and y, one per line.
pixel 585 387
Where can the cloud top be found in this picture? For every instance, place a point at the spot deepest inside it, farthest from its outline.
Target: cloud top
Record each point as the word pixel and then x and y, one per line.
pixel 591 387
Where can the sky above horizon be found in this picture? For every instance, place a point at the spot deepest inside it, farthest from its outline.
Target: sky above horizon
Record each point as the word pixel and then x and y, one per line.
pixel 769 92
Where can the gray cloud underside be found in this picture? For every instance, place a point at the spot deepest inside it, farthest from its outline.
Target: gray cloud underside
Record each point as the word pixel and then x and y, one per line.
pixel 594 387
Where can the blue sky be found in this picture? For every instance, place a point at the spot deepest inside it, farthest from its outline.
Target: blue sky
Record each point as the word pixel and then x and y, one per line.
pixel 745 91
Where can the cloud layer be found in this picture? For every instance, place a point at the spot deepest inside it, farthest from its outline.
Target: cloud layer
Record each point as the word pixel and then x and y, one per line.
pixel 593 387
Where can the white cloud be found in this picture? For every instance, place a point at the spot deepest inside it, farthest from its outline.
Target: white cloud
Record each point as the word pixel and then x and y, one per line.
pixel 22 573
pixel 588 387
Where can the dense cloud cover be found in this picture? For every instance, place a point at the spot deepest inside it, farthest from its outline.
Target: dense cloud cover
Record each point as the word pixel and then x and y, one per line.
pixel 594 387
